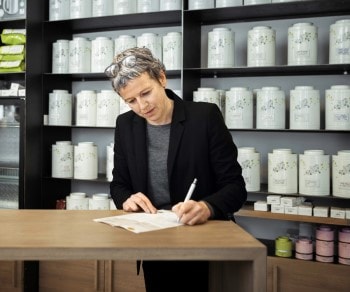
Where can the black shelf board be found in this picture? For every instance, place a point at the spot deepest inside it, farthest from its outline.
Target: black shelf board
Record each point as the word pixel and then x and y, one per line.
pixel 282 70
pixel 99 76
pixel 13 23
pixel 274 11
pixel 321 131
pixel 82 127
pixel 116 22
pixel 100 179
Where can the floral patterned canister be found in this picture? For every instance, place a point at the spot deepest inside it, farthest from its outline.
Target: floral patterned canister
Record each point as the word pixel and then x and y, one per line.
pixel 337 107
pixel 261 45
pixel 221 48
pixel 304 108
pixel 339 42
pixel 282 171
pixel 62 159
pixel 270 108
pixel 341 174
pixel 249 160
pixel 302 44
pixel 239 108
pixel 314 173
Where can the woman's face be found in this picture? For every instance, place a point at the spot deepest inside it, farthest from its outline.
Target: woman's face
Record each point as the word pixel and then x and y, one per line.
pixel 147 98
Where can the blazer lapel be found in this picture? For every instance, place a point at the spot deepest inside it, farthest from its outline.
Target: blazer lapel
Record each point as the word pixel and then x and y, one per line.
pixel 176 131
pixel 140 151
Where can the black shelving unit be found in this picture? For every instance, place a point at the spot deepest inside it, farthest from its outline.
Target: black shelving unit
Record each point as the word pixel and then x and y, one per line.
pixel 55 189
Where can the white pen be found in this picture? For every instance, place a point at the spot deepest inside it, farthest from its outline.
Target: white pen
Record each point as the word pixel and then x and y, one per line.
pixel 190 190
pixel 189 193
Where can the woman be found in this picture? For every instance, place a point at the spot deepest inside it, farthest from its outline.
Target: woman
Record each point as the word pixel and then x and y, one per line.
pixel 161 145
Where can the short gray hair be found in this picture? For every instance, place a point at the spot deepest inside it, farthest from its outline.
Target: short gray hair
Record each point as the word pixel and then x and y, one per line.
pixel 130 64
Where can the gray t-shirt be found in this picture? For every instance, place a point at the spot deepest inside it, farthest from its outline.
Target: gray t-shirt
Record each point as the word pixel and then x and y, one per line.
pixel 158 185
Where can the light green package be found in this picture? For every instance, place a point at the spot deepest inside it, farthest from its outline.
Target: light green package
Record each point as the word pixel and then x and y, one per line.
pixel 13 36
pixel 12 50
pixel 11 66
pixel 14 57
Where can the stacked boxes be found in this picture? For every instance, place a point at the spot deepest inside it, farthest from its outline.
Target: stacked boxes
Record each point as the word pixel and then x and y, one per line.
pixel 12 50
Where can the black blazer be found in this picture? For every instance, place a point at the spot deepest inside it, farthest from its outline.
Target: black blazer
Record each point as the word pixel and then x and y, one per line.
pixel 200 146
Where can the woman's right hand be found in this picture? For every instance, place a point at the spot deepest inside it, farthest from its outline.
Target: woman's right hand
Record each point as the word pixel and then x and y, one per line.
pixel 139 202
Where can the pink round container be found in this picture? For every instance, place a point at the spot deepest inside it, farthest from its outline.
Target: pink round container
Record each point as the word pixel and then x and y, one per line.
pixel 304 256
pixel 344 250
pixel 344 235
pixel 304 245
pixel 324 259
pixel 324 248
pixel 344 261
pixel 325 232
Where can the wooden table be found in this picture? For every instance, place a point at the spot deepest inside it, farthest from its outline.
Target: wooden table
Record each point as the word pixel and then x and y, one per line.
pixel 238 260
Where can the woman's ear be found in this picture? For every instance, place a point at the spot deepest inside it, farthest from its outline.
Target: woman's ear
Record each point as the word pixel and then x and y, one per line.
pixel 162 79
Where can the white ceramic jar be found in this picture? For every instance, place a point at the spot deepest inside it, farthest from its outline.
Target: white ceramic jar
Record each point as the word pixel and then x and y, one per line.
pixel 62 159
pixel 282 171
pixel 125 6
pixel 200 4
pixel 77 201
pixel 228 3
pixel 107 108
pixel 60 56
pixel 85 108
pixel 249 160
pixel 147 6
pixel 60 108
pixel 337 108
pixel 302 44
pixel 151 41
pixel 123 42
pixel 270 108
pixel 304 108
pixel 102 49
pixel 79 55
pixel 314 173
pixel 85 161
pixel 172 50
pixel 207 94
pixel 99 202
pixel 261 44
pixel 339 42
pixel 80 8
pixel 102 7
pixel 170 5
pixel 341 174
pixel 239 108
pixel 59 9
pixel 221 48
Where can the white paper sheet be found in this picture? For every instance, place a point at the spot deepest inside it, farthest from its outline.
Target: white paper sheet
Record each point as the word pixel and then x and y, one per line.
pixel 143 222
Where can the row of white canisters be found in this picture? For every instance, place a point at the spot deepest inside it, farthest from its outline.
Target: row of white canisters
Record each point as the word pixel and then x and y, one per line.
pixel 90 108
pixel 238 103
pixel 80 201
pixel 71 9
pixel 285 175
pixel 82 55
pixel 79 161
pixel 74 161
pixel 207 4
pixel 313 173
pixel 302 46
